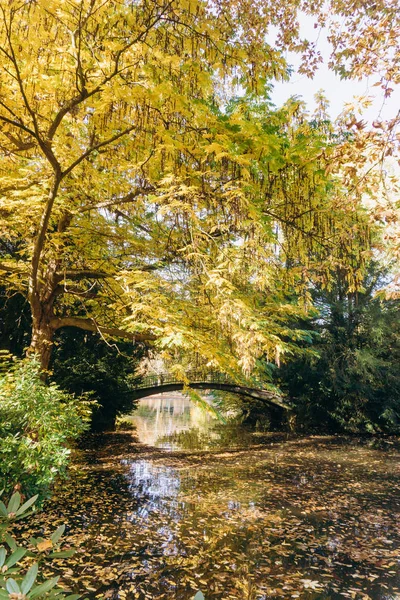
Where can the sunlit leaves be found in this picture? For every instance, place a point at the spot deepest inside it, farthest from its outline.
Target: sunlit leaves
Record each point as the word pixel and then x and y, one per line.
pixel 145 197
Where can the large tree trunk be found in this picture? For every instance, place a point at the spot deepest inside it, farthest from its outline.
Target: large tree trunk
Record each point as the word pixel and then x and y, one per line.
pixel 42 337
pixel 41 299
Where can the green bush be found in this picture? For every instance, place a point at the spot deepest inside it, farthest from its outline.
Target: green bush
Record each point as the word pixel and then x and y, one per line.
pixel 37 421
pixel 18 581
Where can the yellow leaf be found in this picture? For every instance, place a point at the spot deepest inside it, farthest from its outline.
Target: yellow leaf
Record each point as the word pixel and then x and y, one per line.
pixel 45 545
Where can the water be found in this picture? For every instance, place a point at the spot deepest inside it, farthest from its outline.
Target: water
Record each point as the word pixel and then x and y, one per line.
pixel 238 515
pixel 160 419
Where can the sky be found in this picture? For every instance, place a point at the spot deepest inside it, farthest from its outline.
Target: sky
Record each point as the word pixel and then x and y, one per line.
pixel 336 90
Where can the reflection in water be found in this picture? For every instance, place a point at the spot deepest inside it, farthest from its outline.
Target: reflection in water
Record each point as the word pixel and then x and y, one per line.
pixel 154 486
pixel 294 512
pixel 158 418
pixel 241 517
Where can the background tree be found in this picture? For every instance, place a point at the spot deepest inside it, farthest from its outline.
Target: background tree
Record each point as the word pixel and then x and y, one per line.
pixel 15 319
pixel 350 382
pixel 15 322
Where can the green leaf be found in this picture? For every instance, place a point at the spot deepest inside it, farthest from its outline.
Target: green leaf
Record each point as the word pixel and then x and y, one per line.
pixel 29 578
pixel 3 510
pixel 4 595
pixel 44 587
pixel 16 556
pixel 3 554
pixel 57 534
pixel 199 596
pixel 26 505
pixel 14 503
pixel 10 541
pixel 12 586
pixel 73 597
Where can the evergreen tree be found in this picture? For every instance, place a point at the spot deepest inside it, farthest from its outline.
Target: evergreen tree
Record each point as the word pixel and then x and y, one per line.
pixel 350 381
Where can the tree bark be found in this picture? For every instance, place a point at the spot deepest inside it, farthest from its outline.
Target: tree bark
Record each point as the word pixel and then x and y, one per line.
pixel 44 287
pixel 44 325
pixel 91 325
pixel 42 337
pixel 42 281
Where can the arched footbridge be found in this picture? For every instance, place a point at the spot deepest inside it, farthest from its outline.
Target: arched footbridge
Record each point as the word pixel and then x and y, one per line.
pixel 211 380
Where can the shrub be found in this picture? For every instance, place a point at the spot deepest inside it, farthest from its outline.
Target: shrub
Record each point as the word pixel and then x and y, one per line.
pixel 37 421
pixel 17 581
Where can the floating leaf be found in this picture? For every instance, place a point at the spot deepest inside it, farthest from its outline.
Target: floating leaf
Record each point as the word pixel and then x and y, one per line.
pixel 44 545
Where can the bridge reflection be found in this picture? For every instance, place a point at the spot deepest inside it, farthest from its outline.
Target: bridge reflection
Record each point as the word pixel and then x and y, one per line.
pixel 162 415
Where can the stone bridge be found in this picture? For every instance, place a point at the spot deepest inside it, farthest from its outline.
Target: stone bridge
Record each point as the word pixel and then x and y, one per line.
pixel 200 380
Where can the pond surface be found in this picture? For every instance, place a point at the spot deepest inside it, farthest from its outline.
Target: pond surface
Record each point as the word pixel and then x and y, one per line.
pixel 239 515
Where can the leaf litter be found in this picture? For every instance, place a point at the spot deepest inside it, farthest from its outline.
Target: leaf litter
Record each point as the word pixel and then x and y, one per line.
pixel 316 518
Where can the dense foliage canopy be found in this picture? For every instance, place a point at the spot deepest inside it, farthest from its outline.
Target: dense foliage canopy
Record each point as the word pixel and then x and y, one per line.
pixel 150 191
pixel 148 202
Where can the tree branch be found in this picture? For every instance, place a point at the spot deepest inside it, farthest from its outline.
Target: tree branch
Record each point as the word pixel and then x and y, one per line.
pixel 12 57
pixel 78 274
pixel 18 188
pixel 89 151
pixel 89 294
pixel 84 93
pixel 44 146
pixel 63 111
pixel 12 269
pixel 41 236
pixel 91 325
pixel 19 144
pixel 19 125
pixel 124 200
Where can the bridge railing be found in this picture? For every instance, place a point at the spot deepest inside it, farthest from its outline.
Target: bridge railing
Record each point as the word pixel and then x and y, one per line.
pixel 213 377
pixel 192 376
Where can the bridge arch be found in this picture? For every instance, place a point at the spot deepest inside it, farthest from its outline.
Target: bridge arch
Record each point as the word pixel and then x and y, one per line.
pixel 158 384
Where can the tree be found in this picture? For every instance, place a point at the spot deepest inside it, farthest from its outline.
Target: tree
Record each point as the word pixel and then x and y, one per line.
pixel 129 180
pixel 350 381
